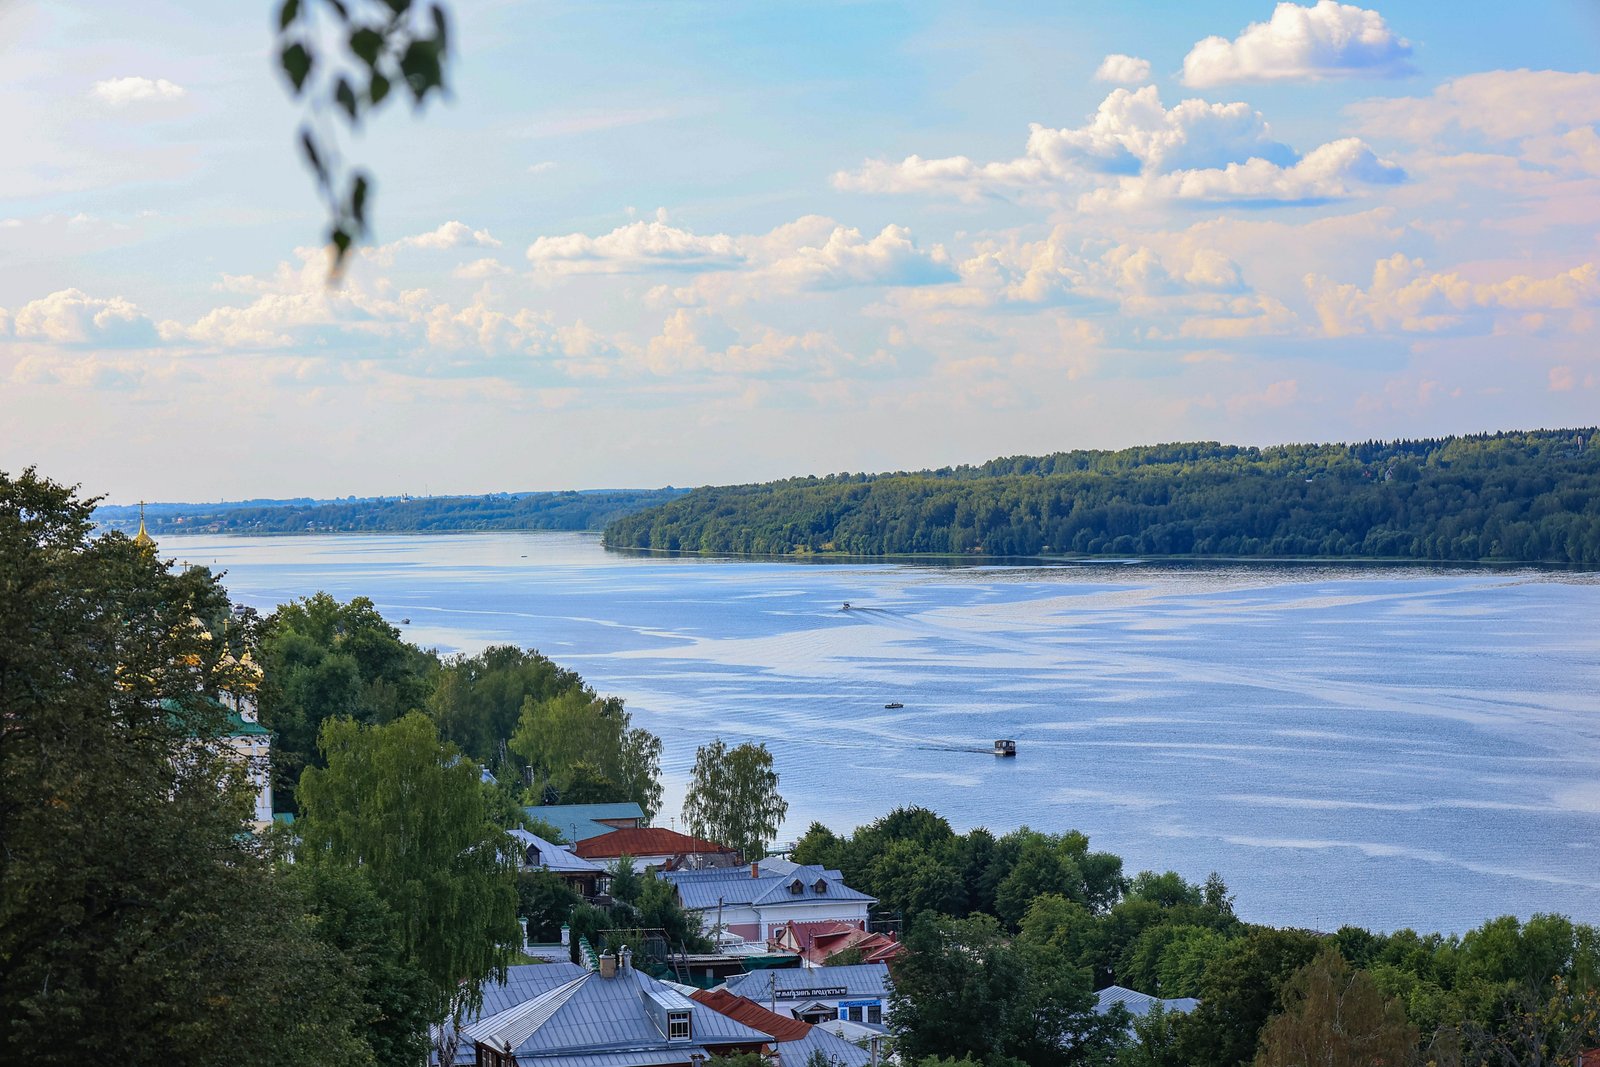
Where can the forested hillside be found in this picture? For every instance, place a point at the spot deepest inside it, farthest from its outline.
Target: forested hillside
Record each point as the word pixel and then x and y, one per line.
pixel 1531 496
pixel 430 514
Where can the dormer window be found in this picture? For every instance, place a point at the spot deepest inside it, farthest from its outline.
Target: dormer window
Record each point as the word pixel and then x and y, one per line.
pixel 797 887
pixel 678 1026
pixel 821 885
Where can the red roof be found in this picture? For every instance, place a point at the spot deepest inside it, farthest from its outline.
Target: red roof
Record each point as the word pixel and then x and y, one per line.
pixel 753 1015
pixel 644 841
pixel 820 939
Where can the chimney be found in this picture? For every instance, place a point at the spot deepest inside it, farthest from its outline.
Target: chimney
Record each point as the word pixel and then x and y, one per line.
pixel 626 959
pixel 608 966
pixel 755 869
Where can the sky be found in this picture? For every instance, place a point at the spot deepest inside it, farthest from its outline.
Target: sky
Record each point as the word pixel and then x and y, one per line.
pixel 692 243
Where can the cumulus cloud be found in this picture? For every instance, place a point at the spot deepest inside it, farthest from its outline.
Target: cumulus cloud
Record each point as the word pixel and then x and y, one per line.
pixel 1328 40
pixel 121 92
pixel 637 247
pixel 452 234
pixel 1332 172
pixel 1131 132
pixel 846 259
pixel 1501 105
pixel 72 317
pixel 1405 297
pixel 1123 70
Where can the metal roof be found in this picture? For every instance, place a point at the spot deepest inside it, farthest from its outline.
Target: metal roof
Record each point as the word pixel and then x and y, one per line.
pixel 834 1049
pixel 856 979
pixel 701 889
pixel 676 1054
pixel 591 1014
pixel 1140 1003
pixel 541 853
pixel 580 821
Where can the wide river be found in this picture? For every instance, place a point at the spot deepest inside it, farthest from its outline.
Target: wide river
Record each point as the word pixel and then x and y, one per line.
pixel 1381 746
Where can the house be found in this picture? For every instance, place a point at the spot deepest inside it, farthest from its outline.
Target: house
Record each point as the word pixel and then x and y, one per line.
pixel 755 902
pixel 1140 1004
pixel 579 822
pixel 796 1042
pixel 817 942
pixel 857 993
pixel 585 877
pixel 616 1016
pixel 251 744
pixel 651 847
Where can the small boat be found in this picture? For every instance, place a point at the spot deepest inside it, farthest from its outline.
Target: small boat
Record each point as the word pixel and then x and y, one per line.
pixel 405 622
pixel 1005 747
pixel 846 606
pixel 895 704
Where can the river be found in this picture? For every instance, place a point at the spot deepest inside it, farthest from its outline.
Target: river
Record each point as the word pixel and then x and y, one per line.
pixel 1382 746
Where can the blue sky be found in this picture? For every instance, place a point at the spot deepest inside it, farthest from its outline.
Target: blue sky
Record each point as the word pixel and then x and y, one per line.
pixel 710 242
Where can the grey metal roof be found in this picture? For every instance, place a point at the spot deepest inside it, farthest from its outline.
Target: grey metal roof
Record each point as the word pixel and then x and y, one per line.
pixel 1138 1003
pixel 677 1054
pixel 835 1049
pixel 857 979
pixel 578 822
pixel 590 1014
pixel 700 889
pixel 541 853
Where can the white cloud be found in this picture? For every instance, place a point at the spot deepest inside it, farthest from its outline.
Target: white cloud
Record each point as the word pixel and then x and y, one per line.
pixel 1328 40
pixel 1123 70
pixel 480 268
pixel 846 259
pixel 1405 297
pixel 450 234
pixel 1334 171
pixel 1502 105
pixel 72 317
pixel 636 247
pixel 543 168
pixel 120 92
pixel 1131 132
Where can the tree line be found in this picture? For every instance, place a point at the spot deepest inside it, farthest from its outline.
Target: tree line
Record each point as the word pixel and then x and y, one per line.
pixel 1515 496
pixel 142 918
pixel 1010 936
pixel 427 514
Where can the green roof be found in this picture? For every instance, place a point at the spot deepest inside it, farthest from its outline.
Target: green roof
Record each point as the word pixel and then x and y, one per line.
pixel 238 725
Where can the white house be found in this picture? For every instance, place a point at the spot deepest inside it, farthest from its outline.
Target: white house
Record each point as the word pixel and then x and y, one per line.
pixel 856 994
pixel 755 902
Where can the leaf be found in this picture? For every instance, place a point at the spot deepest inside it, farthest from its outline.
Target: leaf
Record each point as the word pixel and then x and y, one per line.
pixel 287 14
pixel 309 145
pixel 358 199
pixel 296 63
pixel 420 65
pixel 377 89
pixel 367 44
pixel 345 97
pixel 440 29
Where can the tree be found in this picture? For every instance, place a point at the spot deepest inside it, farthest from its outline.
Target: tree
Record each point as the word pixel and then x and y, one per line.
pixel 1242 990
pixel 585 746
pixel 733 797
pixel 387 43
pixel 1334 1016
pixel 139 920
pixel 410 811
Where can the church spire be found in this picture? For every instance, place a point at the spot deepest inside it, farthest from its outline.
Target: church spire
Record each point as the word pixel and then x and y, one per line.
pixel 143 537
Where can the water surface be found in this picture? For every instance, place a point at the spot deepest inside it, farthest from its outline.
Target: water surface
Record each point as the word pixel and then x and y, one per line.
pixel 1373 745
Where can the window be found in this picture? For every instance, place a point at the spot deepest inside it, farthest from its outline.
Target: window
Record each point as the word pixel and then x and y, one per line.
pixel 875 1014
pixel 677 1025
pixel 855 1014
pixel 821 885
pixel 797 887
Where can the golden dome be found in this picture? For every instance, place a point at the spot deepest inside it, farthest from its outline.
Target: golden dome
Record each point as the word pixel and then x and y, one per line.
pixel 143 538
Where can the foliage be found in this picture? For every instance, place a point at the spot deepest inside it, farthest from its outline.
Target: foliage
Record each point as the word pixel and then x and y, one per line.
pixel 963 990
pixel 407 514
pixel 477 700
pixel 733 797
pixel 1241 991
pixel 412 813
pixel 1335 1016
pixel 585 746
pixel 379 45
pixel 139 921
pixel 1154 1041
pixel 321 659
pixel 1508 496
pixel 544 900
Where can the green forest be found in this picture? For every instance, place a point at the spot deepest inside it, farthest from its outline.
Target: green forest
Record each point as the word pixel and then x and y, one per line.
pixel 1513 496
pixel 590 510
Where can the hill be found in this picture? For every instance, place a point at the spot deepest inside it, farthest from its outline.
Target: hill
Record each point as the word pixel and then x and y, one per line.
pixel 589 510
pixel 1513 496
